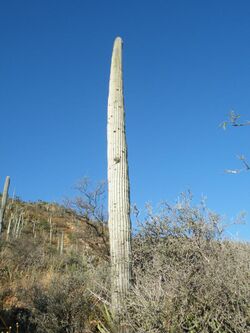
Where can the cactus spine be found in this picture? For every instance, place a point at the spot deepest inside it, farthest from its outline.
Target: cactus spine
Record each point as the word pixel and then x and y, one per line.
pixel 118 188
pixel 4 201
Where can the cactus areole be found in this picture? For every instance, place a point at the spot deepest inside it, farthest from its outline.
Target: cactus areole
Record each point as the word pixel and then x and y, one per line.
pixel 4 201
pixel 118 186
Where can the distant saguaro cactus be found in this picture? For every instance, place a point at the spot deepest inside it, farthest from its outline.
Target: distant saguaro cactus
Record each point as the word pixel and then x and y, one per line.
pixel 4 201
pixel 118 188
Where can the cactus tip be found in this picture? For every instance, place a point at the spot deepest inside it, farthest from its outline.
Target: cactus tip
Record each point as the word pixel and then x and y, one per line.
pixel 118 40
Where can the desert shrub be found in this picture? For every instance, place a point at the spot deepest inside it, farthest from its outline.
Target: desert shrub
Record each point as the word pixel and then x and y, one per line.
pixel 27 252
pixel 187 277
pixel 66 299
pixel 65 306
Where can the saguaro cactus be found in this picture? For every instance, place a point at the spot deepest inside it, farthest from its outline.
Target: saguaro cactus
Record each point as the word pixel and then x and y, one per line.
pixel 118 187
pixel 4 201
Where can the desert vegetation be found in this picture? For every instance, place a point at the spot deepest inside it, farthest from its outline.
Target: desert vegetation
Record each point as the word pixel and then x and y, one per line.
pixel 187 277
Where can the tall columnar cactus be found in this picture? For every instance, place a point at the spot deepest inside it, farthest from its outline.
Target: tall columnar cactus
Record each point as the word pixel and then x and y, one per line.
pixel 118 186
pixel 4 201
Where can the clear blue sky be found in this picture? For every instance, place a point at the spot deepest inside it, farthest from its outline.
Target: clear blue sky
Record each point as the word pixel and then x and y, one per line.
pixel 186 65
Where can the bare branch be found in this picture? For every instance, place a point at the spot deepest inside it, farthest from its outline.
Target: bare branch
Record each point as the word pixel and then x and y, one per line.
pixel 89 206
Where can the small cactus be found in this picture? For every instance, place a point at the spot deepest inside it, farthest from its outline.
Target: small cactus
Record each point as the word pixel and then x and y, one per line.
pixel 4 201
pixel 61 243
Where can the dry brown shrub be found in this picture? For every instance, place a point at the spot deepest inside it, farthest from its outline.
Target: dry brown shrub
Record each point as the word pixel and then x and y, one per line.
pixel 187 277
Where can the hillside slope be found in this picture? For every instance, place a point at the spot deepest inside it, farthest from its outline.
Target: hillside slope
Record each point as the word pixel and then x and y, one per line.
pixel 43 247
pixel 55 276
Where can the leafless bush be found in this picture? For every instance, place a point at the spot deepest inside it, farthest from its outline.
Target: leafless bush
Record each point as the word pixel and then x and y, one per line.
pixel 187 277
pixel 64 307
pixel 89 207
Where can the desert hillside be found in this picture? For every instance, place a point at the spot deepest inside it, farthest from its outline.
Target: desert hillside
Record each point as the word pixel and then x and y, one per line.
pixel 44 248
pixel 187 277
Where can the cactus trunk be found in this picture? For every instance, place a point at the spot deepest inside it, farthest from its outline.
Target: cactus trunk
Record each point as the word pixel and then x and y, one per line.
pixel 4 201
pixel 118 188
